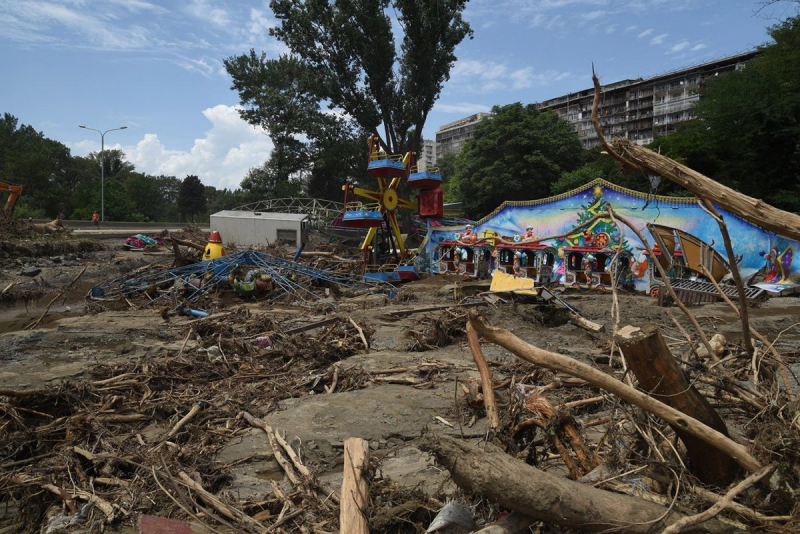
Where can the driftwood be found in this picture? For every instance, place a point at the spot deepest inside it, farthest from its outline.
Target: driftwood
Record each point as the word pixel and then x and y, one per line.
pixel 486 377
pixel 35 323
pixel 489 471
pixel 737 276
pixel 659 374
pixel 572 367
pixel 721 505
pixel 189 244
pixel 770 346
pixel 354 488
pixel 585 323
pixel 667 284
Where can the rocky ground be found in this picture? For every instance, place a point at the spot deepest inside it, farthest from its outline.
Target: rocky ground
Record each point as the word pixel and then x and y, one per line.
pixel 93 365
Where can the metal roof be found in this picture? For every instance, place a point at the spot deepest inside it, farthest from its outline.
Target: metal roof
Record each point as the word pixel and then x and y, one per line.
pixel 264 215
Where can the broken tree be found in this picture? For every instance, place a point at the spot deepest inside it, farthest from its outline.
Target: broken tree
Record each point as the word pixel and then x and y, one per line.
pixel 659 374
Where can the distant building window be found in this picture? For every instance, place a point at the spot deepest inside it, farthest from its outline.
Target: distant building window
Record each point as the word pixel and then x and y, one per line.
pixel 288 236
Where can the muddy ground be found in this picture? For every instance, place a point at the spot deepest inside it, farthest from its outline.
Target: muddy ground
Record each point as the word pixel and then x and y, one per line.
pixel 77 343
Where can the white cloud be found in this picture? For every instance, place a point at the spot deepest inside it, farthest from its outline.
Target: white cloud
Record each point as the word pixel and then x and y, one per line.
pixel 700 46
pixel 659 39
pixel 487 76
pixel 461 108
pixel 203 66
pixel 540 20
pixel 592 15
pixel 259 23
pixel 138 5
pixel 611 29
pixel 631 28
pixel 680 46
pixel 204 10
pixel 221 158
pixel 645 33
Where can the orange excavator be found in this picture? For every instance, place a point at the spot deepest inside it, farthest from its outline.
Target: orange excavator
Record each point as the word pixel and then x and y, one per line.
pixel 14 192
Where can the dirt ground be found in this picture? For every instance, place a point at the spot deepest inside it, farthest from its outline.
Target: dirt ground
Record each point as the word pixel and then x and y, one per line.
pixel 79 351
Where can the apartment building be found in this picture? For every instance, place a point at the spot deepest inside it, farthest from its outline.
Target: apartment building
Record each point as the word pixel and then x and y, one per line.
pixel 643 109
pixel 427 155
pixel 451 137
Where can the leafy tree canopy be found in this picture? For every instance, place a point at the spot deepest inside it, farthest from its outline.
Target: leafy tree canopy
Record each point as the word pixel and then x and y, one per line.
pixel 344 54
pixel 516 154
pixel 191 197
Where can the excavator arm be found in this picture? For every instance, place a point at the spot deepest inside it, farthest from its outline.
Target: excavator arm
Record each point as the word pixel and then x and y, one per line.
pixel 14 192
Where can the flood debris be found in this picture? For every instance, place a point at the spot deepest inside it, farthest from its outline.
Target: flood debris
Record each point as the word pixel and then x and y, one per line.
pixel 250 274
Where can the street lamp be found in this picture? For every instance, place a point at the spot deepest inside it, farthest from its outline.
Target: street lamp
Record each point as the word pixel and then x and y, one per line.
pixel 102 167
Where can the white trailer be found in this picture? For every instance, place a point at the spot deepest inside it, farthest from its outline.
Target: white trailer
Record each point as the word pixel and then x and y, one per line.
pixel 246 228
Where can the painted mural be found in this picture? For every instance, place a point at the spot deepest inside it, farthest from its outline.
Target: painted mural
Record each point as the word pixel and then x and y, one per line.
pixel 758 248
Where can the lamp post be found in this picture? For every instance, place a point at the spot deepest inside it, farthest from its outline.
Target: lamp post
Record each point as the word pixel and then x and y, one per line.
pixel 102 167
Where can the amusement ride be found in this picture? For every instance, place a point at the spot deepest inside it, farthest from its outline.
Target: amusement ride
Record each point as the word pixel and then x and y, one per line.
pixel 384 259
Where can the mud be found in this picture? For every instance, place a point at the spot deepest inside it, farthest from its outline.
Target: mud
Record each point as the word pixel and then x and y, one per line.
pixel 391 416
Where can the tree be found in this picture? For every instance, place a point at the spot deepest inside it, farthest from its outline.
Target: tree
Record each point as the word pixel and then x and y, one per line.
pixel 447 168
pixel 746 133
pixel 343 53
pixel 192 198
pixel 516 154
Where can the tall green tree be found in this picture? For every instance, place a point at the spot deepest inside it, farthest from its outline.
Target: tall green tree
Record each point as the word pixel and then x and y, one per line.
pixel 344 54
pixel 746 133
pixel 516 154
pixel 191 198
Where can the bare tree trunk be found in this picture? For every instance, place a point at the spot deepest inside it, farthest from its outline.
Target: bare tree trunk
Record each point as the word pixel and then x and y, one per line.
pixel 659 374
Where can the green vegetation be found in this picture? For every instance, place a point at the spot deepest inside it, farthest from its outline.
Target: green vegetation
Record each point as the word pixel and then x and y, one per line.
pixel 344 56
pixel 517 154
pixel 57 182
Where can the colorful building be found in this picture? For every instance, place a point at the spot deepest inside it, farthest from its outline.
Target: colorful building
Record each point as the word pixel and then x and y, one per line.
pixel 559 214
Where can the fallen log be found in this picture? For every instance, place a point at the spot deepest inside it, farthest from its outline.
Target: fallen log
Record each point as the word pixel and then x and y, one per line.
pixel 355 493
pixel 585 323
pixel 659 374
pixel 189 244
pixel 565 364
pixel 498 477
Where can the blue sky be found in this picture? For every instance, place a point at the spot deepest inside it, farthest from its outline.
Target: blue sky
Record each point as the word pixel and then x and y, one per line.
pixel 156 66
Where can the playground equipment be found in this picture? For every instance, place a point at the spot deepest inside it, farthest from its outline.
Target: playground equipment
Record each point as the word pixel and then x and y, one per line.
pixel 380 214
pixel 214 248
pixel 592 267
pixel 287 279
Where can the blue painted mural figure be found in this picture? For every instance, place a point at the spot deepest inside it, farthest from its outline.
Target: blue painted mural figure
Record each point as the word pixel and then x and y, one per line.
pixel 557 215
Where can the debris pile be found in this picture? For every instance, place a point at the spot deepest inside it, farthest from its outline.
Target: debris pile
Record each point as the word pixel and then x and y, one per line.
pixel 250 274
pixel 143 436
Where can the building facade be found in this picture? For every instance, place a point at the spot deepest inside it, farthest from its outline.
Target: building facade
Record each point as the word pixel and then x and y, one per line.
pixel 451 137
pixel 643 109
pixel 427 155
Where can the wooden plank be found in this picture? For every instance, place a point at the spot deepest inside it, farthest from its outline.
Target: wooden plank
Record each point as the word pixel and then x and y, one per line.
pixel 354 488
